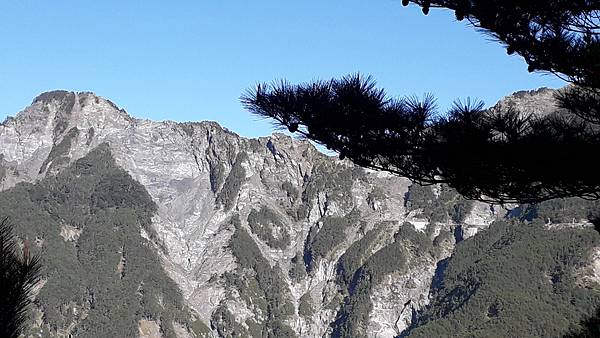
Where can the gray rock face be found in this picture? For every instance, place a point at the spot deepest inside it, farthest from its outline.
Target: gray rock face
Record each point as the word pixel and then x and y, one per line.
pixel 540 102
pixel 201 176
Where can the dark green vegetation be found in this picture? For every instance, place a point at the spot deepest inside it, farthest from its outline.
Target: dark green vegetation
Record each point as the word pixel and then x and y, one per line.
pixel 321 241
pixel 297 268
pixel 355 256
pixel 513 280
pixel 565 210
pixel 359 272
pixel 335 180
pixel 268 226
pixel 419 197
pixel 261 286
pixel 305 308
pixel 200 329
pixel 108 277
pixel 448 206
pixel 231 188
pixel 19 274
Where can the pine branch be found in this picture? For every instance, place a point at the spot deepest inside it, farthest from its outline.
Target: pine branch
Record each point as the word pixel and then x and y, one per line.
pixel 493 155
pixel 560 36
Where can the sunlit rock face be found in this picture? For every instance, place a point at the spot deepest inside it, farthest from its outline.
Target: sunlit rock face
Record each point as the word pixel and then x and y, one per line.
pixel 540 102
pixel 263 236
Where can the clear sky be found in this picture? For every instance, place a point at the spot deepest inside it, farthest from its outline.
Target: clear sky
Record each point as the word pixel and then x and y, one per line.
pixel 191 60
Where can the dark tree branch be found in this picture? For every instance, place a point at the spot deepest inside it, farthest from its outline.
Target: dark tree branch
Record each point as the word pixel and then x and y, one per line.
pixel 559 36
pixel 493 155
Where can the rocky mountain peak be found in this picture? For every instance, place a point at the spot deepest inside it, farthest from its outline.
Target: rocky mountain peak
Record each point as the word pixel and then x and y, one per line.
pixel 539 102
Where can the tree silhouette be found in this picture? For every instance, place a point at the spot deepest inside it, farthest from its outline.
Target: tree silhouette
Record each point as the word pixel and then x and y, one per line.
pixel 19 273
pixel 495 155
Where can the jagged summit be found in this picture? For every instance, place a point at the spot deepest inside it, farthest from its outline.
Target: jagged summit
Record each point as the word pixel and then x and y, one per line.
pixel 52 95
pixel 538 101
pixel 61 126
pixel 62 109
pixel 83 108
pixel 68 99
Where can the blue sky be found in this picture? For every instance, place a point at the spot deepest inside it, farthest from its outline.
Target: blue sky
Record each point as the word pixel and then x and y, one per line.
pixel 191 60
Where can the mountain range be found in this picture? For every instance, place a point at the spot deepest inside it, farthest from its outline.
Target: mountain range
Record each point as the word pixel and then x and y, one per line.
pixel 166 229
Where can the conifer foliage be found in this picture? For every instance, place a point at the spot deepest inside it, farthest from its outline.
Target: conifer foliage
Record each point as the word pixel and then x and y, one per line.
pixel 495 155
pixel 19 274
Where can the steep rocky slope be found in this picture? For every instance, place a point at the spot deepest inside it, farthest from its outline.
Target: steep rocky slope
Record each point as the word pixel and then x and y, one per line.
pixel 262 237
pixel 101 276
